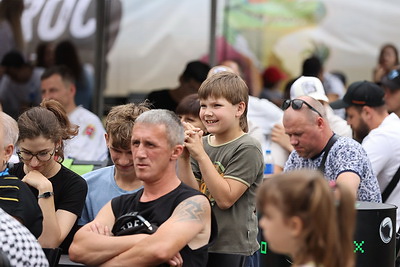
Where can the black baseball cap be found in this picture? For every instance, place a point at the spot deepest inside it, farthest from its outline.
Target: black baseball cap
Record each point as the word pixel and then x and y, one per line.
pixel 392 80
pixel 361 93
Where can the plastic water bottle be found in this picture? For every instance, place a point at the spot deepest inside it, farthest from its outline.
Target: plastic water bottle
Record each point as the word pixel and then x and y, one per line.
pixel 268 163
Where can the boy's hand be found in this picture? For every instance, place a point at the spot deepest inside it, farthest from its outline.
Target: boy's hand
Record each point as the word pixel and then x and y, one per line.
pixel 193 140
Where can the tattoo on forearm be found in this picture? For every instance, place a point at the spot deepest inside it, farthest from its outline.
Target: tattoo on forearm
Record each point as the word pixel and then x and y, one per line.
pixel 190 210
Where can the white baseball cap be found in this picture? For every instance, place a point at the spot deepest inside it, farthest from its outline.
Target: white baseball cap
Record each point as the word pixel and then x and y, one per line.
pixel 307 85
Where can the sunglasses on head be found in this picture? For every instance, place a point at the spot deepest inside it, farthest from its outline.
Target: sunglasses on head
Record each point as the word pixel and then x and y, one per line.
pixel 393 74
pixel 297 104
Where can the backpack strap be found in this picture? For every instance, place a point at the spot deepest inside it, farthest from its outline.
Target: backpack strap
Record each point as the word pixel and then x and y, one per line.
pixel 328 146
pixel 389 189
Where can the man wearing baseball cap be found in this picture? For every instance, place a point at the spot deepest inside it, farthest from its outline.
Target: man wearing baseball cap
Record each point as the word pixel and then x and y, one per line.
pixel 391 84
pixel 377 130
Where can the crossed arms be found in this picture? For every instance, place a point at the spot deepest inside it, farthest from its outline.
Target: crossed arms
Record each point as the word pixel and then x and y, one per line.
pixel 189 224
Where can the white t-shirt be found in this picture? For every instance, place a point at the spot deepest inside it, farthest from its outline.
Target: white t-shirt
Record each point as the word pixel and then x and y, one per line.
pixel 264 114
pixel 337 124
pixel 382 145
pixel 90 143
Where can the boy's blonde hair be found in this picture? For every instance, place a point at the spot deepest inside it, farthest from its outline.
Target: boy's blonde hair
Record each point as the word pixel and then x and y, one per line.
pixel 230 86
pixel 120 121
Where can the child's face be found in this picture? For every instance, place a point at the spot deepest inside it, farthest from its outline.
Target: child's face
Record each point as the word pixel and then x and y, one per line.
pixel 122 158
pixel 276 230
pixel 193 120
pixel 219 115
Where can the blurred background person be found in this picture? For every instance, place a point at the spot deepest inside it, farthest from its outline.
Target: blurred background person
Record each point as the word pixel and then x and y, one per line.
pixel 45 55
pixel 189 82
pixel 272 81
pixel 10 26
pixel 20 85
pixel 89 145
pixel 65 53
pixel 391 85
pixel 388 60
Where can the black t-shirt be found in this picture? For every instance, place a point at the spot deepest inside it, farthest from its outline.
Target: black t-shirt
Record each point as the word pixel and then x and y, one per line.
pixel 17 200
pixel 162 99
pixel 70 191
pixel 159 210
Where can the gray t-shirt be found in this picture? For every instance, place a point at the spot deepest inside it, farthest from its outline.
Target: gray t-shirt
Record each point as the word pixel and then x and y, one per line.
pixel 346 155
pixel 240 159
pixel 17 97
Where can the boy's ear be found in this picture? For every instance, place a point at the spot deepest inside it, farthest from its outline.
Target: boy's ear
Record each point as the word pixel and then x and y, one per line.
pixel 107 138
pixel 240 108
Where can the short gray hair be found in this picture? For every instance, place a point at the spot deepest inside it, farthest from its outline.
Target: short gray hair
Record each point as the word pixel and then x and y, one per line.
pixel 10 129
pixel 174 128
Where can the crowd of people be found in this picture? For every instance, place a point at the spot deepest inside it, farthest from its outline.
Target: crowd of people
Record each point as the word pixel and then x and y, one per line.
pixel 185 183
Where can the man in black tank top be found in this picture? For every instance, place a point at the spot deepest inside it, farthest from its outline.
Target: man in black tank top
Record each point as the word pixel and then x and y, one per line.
pixel 165 223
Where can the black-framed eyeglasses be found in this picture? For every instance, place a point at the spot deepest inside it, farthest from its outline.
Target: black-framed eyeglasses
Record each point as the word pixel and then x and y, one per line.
pixel 41 156
pixel 297 104
pixel 393 74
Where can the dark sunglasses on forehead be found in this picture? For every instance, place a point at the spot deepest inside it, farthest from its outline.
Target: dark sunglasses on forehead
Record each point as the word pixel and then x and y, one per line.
pixel 297 104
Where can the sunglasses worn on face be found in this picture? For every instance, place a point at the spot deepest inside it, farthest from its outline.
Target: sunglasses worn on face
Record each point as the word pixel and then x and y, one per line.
pixel 297 104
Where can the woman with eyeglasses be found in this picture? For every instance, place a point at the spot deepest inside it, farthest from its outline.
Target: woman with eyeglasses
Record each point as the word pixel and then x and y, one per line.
pixel 61 193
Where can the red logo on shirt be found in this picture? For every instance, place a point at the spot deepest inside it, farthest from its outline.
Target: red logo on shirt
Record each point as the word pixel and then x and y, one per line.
pixel 89 131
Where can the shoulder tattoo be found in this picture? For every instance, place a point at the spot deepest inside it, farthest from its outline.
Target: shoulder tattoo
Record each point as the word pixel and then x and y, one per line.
pixel 191 209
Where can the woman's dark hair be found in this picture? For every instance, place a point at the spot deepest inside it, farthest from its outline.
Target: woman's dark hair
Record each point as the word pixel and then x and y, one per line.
pixel 50 121
pixel 41 53
pixel 66 54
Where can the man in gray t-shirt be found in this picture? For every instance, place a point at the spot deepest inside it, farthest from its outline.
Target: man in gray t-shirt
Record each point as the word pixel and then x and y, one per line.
pixel 347 163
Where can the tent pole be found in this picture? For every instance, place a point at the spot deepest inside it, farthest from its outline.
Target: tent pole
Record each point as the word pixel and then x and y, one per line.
pixel 213 26
pixel 98 101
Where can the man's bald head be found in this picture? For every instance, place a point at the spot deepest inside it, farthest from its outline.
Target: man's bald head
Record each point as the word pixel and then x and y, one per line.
pixel 310 109
pixel 307 127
